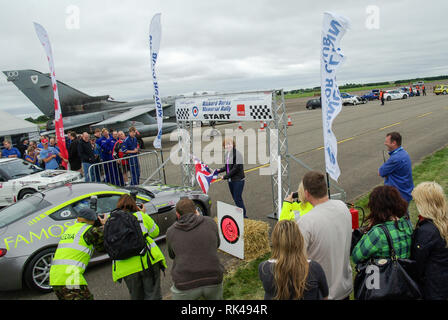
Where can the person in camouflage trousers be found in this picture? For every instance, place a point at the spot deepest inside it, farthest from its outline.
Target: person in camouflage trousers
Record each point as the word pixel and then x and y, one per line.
pixel 64 293
pixel 73 255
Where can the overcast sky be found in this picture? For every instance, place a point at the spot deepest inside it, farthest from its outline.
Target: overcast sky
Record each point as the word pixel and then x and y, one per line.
pixel 216 45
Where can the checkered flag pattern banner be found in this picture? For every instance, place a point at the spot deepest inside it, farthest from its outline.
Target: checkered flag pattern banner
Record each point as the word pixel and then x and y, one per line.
pixel 252 106
pixel 183 114
pixel 260 112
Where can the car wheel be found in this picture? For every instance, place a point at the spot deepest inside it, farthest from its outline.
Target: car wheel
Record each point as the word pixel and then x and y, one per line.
pixel 37 271
pixel 200 208
pixel 444 92
pixel 389 98
pixel 25 193
pixel 405 96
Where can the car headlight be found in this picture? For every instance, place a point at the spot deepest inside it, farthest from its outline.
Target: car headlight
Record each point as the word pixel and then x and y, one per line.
pixel 54 185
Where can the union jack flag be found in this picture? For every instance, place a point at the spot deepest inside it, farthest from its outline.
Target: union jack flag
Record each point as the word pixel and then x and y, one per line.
pixel 204 175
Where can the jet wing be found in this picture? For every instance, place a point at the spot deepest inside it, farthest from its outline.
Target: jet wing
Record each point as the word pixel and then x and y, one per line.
pixel 128 115
pixel 74 126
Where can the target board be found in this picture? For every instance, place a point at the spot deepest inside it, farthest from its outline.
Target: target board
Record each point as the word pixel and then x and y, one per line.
pixel 231 229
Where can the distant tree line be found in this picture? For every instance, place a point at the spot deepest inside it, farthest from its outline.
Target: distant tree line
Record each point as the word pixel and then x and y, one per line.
pixel 40 119
pixel 372 84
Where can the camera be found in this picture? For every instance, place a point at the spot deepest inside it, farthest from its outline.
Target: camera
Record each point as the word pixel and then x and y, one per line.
pixel 134 194
pixel 93 202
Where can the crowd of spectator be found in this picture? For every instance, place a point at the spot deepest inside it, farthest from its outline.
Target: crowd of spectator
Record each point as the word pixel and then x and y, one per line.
pixel 312 243
pixel 85 150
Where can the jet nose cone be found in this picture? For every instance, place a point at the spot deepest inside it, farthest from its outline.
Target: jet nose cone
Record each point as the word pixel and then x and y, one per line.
pixel 11 75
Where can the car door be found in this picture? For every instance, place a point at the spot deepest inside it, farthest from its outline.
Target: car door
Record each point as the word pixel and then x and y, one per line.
pixel 6 191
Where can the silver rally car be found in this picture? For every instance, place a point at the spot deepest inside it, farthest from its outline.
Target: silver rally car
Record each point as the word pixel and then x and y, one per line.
pixel 31 228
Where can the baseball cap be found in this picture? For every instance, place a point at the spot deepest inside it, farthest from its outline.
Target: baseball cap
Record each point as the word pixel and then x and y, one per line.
pixel 44 141
pixel 87 214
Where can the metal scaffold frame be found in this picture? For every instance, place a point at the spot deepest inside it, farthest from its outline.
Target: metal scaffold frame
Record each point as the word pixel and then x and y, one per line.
pixel 280 180
pixel 280 125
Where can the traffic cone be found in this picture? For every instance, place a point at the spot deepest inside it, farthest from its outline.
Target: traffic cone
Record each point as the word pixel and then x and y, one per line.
pixel 265 124
pixel 261 125
pixel 289 121
pixel 240 127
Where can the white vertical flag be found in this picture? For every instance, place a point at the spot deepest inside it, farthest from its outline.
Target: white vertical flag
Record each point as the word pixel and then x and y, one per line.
pixel 155 32
pixel 334 28
pixel 58 122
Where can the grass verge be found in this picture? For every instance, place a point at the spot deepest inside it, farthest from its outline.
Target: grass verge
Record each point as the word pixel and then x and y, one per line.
pixel 243 283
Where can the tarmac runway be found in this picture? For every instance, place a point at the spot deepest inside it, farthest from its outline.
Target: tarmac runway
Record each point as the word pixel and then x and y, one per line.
pixel 360 130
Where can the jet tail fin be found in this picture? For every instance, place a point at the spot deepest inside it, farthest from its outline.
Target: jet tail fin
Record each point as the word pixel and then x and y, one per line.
pixel 37 87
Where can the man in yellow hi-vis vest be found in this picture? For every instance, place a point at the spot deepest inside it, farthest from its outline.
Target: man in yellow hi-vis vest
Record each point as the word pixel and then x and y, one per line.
pixel 73 255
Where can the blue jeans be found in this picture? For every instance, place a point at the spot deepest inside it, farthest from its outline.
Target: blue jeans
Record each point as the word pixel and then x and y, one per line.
pixel 95 172
pixel 236 190
pixel 85 169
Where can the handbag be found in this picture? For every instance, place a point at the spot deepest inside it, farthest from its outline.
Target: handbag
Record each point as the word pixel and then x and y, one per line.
pixel 387 278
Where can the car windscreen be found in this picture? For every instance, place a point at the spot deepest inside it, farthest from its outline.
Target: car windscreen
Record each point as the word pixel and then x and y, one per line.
pixel 22 208
pixel 19 168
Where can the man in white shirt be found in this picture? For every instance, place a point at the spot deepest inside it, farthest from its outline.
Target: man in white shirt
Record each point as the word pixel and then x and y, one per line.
pixel 327 230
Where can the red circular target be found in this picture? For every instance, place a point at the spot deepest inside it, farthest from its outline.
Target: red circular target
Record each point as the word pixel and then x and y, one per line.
pixel 229 229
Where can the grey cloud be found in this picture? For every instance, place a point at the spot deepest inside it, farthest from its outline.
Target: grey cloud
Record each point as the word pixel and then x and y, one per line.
pixel 217 45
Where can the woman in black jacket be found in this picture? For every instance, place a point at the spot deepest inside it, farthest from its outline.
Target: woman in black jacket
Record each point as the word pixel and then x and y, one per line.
pixel 234 170
pixel 430 240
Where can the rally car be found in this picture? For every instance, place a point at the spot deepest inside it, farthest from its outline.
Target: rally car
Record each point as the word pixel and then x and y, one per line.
pixel 20 178
pixel 30 229
pixel 395 95
pixel 350 99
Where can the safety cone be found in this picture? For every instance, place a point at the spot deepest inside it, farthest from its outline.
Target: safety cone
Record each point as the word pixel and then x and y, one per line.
pixel 289 121
pixel 240 127
pixel 265 124
pixel 261 125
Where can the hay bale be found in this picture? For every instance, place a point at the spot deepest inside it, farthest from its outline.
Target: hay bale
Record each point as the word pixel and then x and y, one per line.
pixel 256 238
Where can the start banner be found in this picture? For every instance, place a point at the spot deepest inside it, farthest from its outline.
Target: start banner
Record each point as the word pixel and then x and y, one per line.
pixel 236 107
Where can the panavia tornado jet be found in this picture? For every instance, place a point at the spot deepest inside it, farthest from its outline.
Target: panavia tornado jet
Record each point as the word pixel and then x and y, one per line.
pixel 82 112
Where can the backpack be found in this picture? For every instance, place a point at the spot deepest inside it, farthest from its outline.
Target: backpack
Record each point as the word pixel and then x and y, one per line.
pixel 124 236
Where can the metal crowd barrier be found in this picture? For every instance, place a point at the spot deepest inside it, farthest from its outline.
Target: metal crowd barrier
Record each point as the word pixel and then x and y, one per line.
pixel 130 170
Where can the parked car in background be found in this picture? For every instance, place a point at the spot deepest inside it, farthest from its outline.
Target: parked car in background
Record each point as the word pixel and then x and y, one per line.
pixel 441 89
pixel 313 104
pixel 372 95
pixel 361 100
pixel 395 95
pixel 20 178
pixel 349 99
pixel 409 92
pixel 30 229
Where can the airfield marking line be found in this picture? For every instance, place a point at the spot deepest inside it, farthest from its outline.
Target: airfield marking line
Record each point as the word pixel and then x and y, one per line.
pixel 339 142
pixel 424 115
pixel 391 125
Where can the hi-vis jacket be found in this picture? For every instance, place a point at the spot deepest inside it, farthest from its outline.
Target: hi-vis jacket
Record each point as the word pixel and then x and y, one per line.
pixel 123 268
pixel 293 211
pixel 71 257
